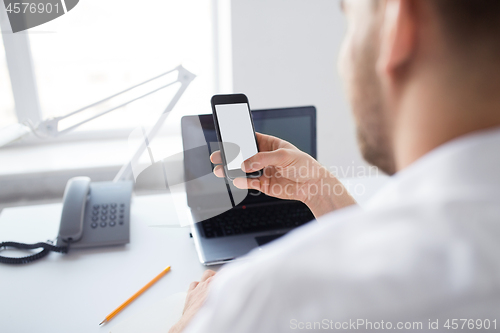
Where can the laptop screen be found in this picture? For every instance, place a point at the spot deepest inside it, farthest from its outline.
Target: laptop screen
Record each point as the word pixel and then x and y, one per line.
pixel 295 125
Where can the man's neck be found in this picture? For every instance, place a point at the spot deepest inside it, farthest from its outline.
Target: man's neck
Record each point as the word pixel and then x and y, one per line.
pixel 435 111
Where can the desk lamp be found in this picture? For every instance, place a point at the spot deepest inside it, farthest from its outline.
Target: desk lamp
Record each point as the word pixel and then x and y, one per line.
pixel 50 127
pixel 84 217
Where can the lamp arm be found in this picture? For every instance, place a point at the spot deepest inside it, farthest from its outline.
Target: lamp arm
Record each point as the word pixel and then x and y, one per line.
pixel 49 127
pixel 126 171
pixel 112 109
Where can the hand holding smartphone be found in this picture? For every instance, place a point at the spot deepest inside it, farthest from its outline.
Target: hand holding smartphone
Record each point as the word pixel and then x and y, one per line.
pixel 235 132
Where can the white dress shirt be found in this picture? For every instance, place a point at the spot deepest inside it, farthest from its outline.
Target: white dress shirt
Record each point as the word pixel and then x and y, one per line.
pixel 426 249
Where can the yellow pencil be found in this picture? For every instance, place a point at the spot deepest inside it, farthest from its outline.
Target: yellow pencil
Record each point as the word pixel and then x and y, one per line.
pixel 137 294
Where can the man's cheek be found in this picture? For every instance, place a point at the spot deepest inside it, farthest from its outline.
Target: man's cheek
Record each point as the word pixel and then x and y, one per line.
pixel 345 66
pixel 343 60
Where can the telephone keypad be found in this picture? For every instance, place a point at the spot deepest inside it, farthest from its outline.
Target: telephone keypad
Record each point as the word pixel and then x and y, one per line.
pixel 100 213
pixel 97 200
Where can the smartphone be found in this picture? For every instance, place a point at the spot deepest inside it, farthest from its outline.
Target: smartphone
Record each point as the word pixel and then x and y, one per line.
pixel 235 132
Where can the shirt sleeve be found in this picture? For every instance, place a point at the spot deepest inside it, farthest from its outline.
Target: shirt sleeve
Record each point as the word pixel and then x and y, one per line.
pixel 253 294
pixel 235 291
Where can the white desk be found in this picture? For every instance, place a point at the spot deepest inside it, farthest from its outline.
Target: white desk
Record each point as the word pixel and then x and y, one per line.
pixel 74 292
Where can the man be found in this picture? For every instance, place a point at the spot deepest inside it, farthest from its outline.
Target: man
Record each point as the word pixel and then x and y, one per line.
pixel 423 78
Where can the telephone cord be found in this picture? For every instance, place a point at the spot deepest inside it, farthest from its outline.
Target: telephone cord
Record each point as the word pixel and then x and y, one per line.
pixel 27 259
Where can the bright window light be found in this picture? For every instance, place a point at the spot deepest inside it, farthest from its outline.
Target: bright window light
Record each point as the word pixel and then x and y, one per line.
pixel 102 47
pixel 7 107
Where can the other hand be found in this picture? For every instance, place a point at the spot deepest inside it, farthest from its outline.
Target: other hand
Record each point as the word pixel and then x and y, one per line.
pixel 197 293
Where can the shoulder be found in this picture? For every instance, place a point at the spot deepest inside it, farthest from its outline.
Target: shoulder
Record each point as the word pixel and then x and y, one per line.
pixel 353 263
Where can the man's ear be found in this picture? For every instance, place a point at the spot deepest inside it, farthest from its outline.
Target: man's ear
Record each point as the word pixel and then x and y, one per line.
pixel 398 36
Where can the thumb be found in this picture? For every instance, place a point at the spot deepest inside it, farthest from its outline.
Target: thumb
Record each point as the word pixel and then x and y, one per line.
pixel 263 159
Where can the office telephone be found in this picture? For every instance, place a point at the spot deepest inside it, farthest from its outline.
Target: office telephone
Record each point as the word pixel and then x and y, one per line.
pixel 94 214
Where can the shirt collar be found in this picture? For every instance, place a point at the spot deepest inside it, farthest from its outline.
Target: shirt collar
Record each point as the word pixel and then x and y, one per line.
pixel 468 166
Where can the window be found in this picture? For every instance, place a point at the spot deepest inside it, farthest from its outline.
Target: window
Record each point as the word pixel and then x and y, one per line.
pixel 7 109
pixel 102 47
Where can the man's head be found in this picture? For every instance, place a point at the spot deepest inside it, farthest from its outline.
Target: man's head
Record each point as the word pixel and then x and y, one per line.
pixel 398 53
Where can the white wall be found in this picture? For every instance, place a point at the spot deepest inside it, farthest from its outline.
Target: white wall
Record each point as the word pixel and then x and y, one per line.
pixel 285 54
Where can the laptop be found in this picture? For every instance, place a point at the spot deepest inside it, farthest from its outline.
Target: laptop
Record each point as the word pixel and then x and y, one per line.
pixel 229 224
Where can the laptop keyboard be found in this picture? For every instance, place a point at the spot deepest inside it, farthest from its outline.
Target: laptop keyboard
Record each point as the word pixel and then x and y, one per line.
pixel 256 219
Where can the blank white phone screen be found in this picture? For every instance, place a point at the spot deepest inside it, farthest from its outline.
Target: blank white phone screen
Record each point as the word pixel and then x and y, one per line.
pixel 235 127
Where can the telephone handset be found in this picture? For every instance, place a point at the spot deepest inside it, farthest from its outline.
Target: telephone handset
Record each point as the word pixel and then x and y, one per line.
pixel 74 201
pixel 93 214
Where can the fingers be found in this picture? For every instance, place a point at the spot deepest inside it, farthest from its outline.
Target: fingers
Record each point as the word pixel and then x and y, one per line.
pixel 193 285
pixel 264 141
pixel 267 142
pixel 247 183
pixel 216 158
pixel 206 275
pixel 219 171
pixel 261 160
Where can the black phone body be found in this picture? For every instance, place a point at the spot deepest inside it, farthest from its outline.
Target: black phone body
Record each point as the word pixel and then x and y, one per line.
pixel 235 132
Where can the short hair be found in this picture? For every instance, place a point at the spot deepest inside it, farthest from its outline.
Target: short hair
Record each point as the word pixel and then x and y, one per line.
pixel 467 21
